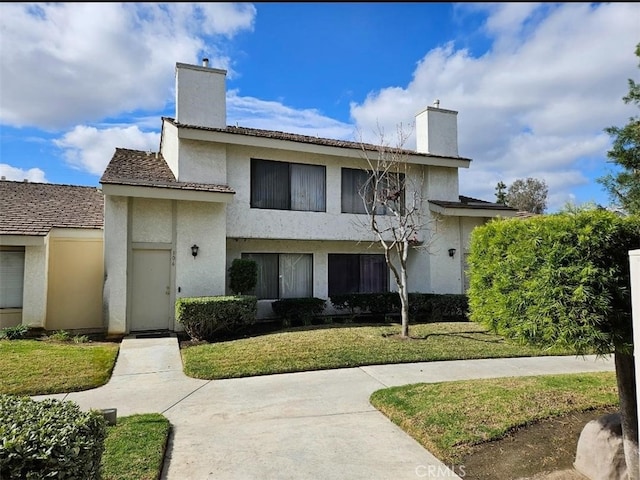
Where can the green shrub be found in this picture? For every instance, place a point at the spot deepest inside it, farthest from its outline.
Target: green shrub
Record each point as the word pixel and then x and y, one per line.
pixel 303 310
pixel 14 333
pixel 427 307
pixel 208 318
pixel 375 303
pixel 59 336
pixel 556 280
pixel 434 307
pixel 49 439
pixel 243 276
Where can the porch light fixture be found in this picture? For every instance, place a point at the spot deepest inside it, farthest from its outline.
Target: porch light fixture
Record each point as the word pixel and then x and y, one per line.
pixel 194 250
pixel 452 252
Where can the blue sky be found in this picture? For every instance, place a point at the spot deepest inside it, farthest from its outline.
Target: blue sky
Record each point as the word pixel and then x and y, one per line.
pixel 535 84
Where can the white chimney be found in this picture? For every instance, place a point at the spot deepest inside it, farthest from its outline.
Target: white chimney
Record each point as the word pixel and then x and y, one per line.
pixel 437 131
pixel 201 95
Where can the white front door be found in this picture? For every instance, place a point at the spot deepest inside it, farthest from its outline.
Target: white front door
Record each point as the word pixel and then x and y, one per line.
pixel 151 290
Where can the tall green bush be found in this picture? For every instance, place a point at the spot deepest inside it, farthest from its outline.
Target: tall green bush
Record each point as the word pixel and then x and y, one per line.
pixel 562 280
pixel 243 275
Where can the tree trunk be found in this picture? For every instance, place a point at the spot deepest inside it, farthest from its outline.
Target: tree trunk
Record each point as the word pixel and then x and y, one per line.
pixel 404 312
pixel 626 379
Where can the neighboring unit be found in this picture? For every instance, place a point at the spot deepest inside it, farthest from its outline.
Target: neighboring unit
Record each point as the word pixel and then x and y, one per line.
pixel 51 260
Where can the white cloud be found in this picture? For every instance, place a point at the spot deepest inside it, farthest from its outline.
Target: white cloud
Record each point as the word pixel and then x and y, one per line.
pixel 65 64
pixel 13 173
pixel 271 115
pixel 90 149
pixel 536 103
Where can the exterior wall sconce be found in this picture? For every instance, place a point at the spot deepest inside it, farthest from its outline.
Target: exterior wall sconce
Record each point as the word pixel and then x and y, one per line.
pixel 452 252
pixel 194 250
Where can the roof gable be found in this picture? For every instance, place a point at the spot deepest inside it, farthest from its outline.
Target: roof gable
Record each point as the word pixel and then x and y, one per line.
pixel 148 169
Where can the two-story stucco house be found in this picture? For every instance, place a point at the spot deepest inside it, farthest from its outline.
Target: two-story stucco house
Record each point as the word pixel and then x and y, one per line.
pixel 176 219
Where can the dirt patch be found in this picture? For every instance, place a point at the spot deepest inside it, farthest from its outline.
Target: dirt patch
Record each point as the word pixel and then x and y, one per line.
pixel 542 451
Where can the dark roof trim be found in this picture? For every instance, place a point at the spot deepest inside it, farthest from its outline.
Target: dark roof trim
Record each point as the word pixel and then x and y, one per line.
pixel 294 137
pixel 473 203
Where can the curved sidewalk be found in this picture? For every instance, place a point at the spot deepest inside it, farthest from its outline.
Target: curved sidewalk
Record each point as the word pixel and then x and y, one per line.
pixel 307 425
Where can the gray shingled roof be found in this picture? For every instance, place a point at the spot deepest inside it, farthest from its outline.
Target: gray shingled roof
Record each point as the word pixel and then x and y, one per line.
pixel 470 202
pixel 294 137
pixel 148 169
pixel 35 208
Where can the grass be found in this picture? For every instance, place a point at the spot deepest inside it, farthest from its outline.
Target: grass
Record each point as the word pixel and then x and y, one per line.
pixel 134 448
pixel 449 418
pixel 314 348
pixel 35 367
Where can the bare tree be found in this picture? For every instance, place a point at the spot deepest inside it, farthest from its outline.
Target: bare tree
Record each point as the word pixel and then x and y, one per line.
pixel 528 195
pixel 393 199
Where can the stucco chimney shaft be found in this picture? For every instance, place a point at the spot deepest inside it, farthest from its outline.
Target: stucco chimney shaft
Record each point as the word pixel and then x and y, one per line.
pixel 437 131
pixel 201 95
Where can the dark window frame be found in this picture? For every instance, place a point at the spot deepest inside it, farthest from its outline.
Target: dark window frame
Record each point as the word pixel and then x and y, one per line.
pixel 345 273
pixel 282 184
pixel 352 180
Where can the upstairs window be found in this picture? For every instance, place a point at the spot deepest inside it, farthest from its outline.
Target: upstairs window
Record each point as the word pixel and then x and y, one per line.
pixel 360 196
pixel 288 186
pixel 357 273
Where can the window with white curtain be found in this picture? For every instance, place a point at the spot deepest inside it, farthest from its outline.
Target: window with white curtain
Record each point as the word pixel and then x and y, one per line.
pixel 288 186
pixel 283 275
pixel 11 278
pixel 357 273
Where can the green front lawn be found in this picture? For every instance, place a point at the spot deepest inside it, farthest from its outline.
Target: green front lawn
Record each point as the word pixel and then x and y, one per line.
pixel 134 448
pixel 448 418
pixel 301 349
pixel 35 367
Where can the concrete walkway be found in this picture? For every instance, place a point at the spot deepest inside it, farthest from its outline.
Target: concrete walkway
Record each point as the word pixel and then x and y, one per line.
pixel 308 425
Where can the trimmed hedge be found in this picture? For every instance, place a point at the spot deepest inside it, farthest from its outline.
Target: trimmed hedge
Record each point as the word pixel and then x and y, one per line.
pixel 303 310
pixel 49 439
pixel 426 307
pixel 556 280
pixel 206 318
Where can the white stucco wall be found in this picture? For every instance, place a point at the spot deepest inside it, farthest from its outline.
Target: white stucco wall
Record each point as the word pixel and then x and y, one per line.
pixel 437 132
pixel 34 294
pixel 442 184
pixel 151 220
pixel 446 272
pixel 201 96
pixel 169 147
pixel 202 162
pixel 202 224
pixel 115 258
